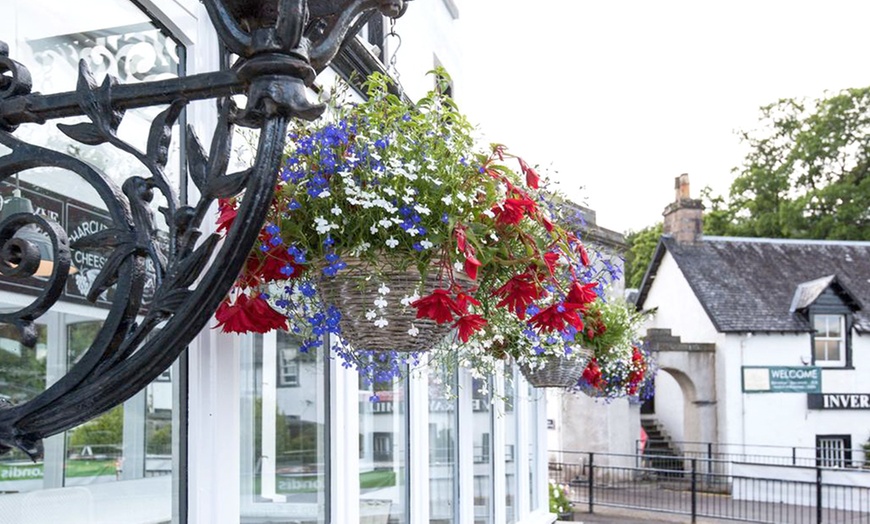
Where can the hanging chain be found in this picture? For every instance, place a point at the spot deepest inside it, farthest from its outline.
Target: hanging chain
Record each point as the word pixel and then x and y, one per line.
pixel 392 69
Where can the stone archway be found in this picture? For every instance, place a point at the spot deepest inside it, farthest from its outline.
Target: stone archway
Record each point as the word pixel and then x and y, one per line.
pixel 693 366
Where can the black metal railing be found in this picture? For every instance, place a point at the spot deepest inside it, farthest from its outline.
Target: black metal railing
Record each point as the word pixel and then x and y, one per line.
pixel 701 488
pixel 759 453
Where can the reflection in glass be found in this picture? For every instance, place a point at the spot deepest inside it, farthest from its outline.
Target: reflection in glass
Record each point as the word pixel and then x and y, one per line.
pixel 482 416
pixel 284 453
pixel 22 377
pixel 443 460
pixel 532 421
pixel 383 448
pixel 510 435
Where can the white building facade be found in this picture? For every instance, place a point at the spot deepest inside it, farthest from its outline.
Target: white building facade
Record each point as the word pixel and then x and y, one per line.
pixel 762 343
pixel 246 428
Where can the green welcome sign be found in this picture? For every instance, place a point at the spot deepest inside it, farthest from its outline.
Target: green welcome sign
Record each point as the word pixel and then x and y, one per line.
pixel 782 379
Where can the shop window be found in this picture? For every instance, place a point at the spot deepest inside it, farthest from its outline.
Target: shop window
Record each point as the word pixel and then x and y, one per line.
pixel 443 451
pixel 383 455
pixel 834 451
pixel 482 417
pixel 284 432
pixel 830 340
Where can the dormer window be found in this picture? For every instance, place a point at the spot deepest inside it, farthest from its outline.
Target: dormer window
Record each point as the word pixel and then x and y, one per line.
pixel 829 340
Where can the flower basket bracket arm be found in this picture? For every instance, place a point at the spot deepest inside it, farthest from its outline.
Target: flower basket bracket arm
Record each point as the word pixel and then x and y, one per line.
pixel 281 45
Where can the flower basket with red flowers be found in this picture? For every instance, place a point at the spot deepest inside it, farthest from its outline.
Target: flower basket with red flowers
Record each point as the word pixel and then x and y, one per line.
pixel 620 366
pixel 391 228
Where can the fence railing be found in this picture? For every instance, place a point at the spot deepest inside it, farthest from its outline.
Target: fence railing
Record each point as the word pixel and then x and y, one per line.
pixel 696 487
pixel 759 453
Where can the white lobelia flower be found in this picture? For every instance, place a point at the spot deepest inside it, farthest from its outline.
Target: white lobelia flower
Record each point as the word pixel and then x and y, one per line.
pixel 380 302
pixel 336 210
pixel 383 290
pixel 423 210
pixel 371 315
pixel 426 244
pixel 392 242
pixel 324 194
pixel 413 331
pixel 385 223
pixel 323 226
pixel 406 301
pixel 381 322
pixel 489 213
pixel 413 231
pixel 447 199
pixel 374 230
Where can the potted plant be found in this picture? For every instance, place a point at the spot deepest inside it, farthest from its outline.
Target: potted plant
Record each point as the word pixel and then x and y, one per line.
pixel 559 503
pixel 392 228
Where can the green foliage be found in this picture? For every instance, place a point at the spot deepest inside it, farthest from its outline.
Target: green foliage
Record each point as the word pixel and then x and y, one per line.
pixel 107 429
pixel 641 247
pixel 805 175
pixel 559 502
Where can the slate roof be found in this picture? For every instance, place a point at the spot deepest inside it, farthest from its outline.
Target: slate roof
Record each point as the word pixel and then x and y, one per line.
pixel 749 284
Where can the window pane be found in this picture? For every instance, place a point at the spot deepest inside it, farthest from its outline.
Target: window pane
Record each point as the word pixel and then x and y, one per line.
pixel 532 423
pixel 483 486
pixel 284 453
pixel 834 328
pixel 22 377
pixel 510 434
pixel 443 470
pixel 383 446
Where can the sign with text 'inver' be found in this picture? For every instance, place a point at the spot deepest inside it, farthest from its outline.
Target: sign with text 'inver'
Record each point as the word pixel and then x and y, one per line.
pixel 782 379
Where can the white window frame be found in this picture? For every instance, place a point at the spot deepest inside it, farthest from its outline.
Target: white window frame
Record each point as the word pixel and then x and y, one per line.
pixel 823 337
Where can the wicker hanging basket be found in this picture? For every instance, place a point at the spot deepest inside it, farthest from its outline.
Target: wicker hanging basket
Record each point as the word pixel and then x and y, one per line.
pixel 354 292
pixel 558 372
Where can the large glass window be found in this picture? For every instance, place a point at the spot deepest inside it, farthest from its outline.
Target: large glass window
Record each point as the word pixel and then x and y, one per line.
pixel 443 452
pixel 829 340
pixel 383 452
pixel 284 436
pixel 119 465
pixel 511 429
pixel 483 454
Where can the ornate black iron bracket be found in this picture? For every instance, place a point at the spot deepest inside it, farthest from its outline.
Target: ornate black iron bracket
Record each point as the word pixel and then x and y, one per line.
pixel 281 45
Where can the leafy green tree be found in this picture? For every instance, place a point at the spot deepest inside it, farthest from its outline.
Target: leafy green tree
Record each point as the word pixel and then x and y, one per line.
pixel 805 175
pixel 107 429
pixel 641 247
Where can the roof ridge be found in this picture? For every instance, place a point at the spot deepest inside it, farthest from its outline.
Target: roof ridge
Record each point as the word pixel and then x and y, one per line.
pixel 762 240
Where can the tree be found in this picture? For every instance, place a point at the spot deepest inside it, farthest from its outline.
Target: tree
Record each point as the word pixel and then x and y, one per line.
pixel 641 247
pixel 805 175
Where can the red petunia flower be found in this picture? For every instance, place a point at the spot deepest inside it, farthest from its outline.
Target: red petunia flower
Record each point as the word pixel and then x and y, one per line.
pixel 438 306
pixel 471 265
pixel 584 256
pixel 532 178
pixel 551 258
pixel 512 210
pixel 272 266
pixel 556 317
pixel 248 315
pixel 461 241
pixel 518 292
pixel 592 374
pixel 226 214
pixel 463 300
pixel 582 294
pixel 468 325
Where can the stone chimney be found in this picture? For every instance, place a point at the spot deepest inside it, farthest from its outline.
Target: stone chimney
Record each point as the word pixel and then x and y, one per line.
pixel 683 217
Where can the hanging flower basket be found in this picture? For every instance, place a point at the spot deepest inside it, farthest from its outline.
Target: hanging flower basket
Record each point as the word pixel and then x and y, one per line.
pixel 362 293
pixel 557 372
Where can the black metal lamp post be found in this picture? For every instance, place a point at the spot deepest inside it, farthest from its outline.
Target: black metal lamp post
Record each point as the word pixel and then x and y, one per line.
pixel 281 45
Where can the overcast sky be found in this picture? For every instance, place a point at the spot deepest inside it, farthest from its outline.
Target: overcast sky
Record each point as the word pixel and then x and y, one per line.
pixel 618 98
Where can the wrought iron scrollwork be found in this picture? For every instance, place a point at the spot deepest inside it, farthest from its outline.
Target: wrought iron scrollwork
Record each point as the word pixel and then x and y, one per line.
pixel 281 45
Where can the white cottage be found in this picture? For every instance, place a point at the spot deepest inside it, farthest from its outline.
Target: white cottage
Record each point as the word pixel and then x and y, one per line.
pixel 761 342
